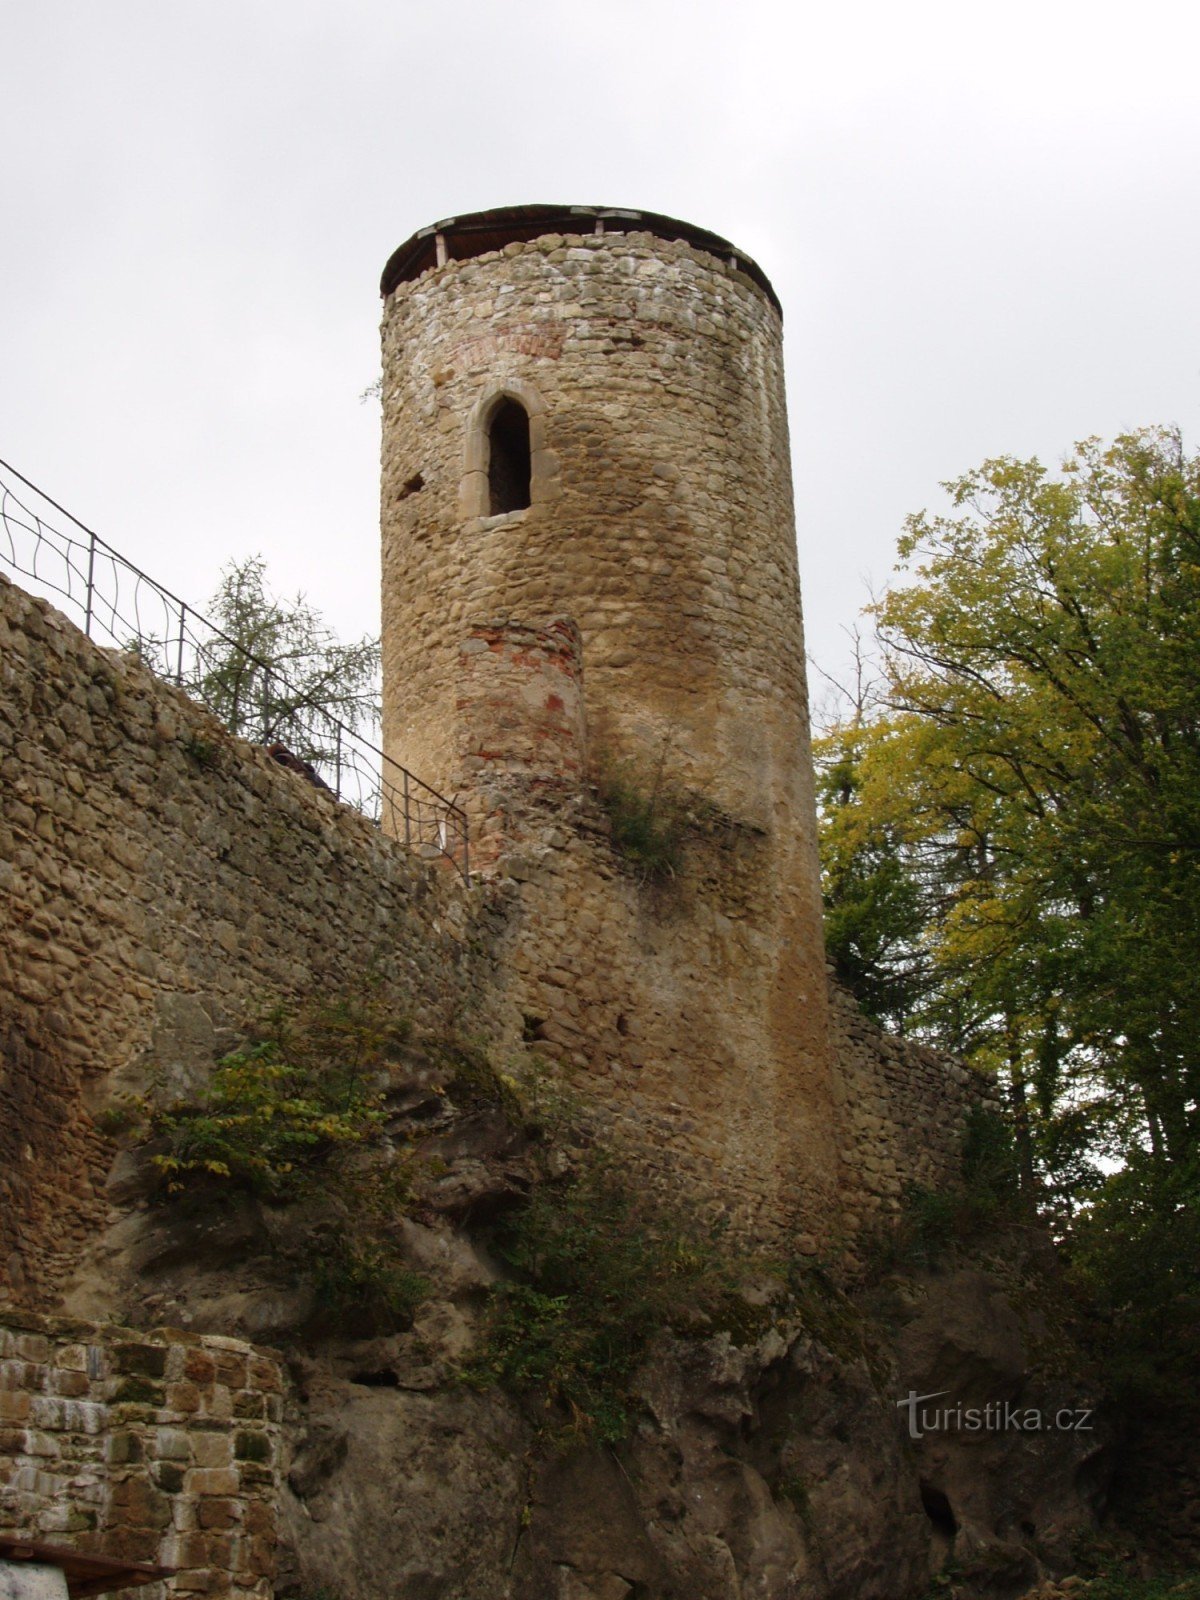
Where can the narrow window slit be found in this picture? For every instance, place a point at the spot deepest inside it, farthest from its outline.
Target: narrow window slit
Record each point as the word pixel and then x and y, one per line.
pixel 509 460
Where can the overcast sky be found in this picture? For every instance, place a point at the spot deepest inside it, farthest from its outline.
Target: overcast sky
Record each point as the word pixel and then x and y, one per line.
pixel 983 221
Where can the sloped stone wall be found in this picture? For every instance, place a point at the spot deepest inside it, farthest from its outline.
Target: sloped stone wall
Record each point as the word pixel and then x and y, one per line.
pixel 158 1447
pixel 160 881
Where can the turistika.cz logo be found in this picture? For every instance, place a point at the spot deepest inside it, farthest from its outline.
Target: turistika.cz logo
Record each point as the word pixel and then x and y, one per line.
pixel 997 1416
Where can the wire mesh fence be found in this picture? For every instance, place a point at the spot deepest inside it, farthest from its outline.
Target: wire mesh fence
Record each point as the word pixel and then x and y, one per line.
pixel 115 603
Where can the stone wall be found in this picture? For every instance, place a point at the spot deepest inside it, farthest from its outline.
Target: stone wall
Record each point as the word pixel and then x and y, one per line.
pixel 163 880
pixel 670 1019
pixel 160 881
pixel 903 1117
pixel 157 1447
pixel 661 516
pixel 520 705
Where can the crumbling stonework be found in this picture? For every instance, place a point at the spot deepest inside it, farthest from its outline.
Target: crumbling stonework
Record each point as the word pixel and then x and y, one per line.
pixel 157 1447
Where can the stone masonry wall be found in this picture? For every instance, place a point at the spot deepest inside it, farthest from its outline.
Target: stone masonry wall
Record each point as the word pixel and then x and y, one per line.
pixel 520 703
pixel 157 1447
pixel 661 516
pixel 903 1117
pixel 160 881
pixel 651 997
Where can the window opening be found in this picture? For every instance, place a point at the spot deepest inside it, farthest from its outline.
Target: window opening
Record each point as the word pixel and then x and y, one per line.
pixel 509 462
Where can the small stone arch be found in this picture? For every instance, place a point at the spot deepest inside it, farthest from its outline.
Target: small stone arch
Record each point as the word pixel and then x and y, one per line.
pixel 491 489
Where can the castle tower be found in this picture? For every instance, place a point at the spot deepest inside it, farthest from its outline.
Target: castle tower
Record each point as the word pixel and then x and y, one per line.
pixel 584 418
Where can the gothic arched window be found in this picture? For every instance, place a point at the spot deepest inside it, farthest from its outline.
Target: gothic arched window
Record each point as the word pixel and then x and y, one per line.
pixel 507 467
pixel 510 462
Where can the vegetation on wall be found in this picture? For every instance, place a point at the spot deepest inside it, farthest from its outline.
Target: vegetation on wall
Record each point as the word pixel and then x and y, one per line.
pixel 1011 841
pixel 299 1113
pixel 596 1272
pixel 934 1222
pixel 648 814
pixel 275 1112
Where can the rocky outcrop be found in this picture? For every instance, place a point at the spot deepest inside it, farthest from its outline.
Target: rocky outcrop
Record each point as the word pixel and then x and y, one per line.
pixel 781 1470
pixel 783 1465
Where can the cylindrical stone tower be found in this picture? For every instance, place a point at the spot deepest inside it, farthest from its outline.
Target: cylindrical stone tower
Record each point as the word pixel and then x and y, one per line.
pixel 641 360
pixel 584 417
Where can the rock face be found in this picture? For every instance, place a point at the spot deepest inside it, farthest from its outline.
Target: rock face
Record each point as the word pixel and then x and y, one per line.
pixel 781 1467
pixel 780 1471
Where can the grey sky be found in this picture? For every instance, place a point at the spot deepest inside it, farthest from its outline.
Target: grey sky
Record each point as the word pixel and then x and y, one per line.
pixel 982 221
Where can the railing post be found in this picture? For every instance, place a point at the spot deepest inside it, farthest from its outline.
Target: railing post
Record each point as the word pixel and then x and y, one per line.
pixel 87 618
pixel 179 652
pixel 407 827
pixel 466 849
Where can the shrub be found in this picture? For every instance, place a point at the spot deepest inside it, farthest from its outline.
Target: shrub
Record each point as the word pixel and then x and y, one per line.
pixel 474 1080
pixel 277 1109
pixel 1122 1586
pixel 934 1221
pixel 597 1272
pixel 649 818
pixel 991 1176
pixel 262 1122
pixel 122 1115
pixel 1135 1255
pixel 289 1117
pixel 364 1288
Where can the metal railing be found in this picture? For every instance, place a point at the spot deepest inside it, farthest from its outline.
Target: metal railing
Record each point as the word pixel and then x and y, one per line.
pixel 114 602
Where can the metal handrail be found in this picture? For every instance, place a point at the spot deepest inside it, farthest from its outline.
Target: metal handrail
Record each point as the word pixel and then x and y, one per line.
pixel 117 602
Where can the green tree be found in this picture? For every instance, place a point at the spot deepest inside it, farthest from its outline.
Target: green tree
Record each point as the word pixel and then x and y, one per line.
pixel 274 670
pixel 1025 803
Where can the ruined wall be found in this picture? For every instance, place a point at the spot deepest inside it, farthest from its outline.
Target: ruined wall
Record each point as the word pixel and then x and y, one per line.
pixel 157 1447
pixel 904 1114
pixel 161 881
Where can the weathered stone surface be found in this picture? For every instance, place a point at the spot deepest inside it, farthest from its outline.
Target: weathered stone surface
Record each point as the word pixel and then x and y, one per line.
pixel 902 1115
pixel 185 881
pixel 135 1476
pixel 228 881
pixel 781 1469
pixel 30 1580
pixel 660 521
